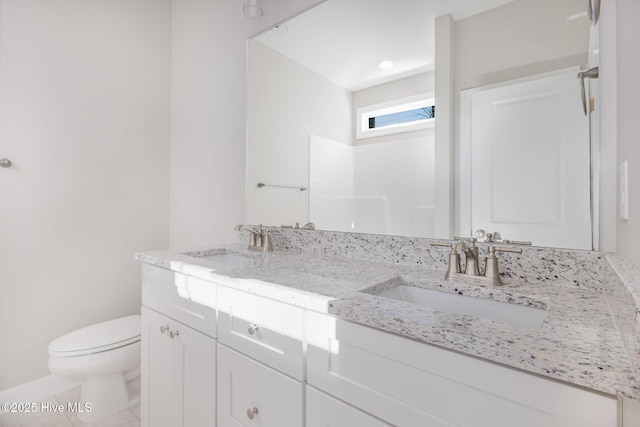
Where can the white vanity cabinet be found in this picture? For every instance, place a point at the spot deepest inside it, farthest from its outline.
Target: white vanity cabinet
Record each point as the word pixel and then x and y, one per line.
pixel 213 355
pixel 406 383
pixel 261 368
pixel 178 369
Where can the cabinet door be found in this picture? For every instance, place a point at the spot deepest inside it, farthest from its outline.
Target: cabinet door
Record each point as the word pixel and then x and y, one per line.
pixel 326 411
pixel 178 374
pixel 252 394
pixel 157 371
pixel 407 383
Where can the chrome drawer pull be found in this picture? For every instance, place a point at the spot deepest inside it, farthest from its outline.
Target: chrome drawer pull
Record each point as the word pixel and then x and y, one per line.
pixel 252 412
pixel 252 328
pixel 174 334
pixel 164 328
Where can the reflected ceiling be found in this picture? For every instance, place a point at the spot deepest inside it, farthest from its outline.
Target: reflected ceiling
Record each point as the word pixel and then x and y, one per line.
pixel 330 53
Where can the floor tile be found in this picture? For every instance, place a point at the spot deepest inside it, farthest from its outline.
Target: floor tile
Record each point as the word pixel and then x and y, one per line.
pixel 135 410
pixel 44 416
pixel 53 420
pixel 121 419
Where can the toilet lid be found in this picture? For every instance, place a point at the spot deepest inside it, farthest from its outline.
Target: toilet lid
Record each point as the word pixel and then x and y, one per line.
pixel 99 337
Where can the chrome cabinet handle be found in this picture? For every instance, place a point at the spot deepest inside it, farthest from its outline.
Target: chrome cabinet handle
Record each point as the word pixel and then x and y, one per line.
pixel 5 163
pixel 252 412
pixel 174 334
pixel 252 328
pixel 164 328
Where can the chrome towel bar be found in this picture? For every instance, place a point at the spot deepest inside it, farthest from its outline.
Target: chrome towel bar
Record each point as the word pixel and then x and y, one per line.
pixel 262 184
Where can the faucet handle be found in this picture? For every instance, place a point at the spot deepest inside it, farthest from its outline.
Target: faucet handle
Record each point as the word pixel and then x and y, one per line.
pixel 445 244
pixel 505 249
pixel 266 241
pixel 491 268
pixel 454 257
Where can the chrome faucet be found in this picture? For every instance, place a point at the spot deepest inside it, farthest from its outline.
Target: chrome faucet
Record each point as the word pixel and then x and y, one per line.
pixel 472 274
pixel 472 264
pixel 259 238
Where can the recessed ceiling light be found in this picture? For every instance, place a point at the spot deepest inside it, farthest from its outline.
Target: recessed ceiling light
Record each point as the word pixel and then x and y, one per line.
pixel 386 64
pixel 280 28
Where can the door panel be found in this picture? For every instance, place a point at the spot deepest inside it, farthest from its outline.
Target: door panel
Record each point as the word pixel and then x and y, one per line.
pixel 530 162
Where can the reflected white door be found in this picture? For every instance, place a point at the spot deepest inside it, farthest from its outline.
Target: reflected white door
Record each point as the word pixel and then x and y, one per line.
pixel 528 163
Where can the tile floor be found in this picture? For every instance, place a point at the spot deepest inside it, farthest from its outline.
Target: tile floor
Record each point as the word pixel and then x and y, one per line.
pixel 127 418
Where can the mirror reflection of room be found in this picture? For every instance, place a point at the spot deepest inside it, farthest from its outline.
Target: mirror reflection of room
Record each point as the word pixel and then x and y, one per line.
pixel 323 86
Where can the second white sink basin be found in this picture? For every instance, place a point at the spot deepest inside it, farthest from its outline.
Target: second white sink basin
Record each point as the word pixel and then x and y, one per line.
pixel 226 258
pixel 513 314
pixel 222 256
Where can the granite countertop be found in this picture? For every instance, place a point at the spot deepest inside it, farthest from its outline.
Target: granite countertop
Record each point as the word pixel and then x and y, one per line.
pixel 578 341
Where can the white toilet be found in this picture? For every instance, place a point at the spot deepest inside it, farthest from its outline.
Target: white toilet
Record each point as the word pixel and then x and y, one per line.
pixel 104 357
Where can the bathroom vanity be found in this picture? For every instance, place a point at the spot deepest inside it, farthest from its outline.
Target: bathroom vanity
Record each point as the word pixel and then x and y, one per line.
pixel 345 329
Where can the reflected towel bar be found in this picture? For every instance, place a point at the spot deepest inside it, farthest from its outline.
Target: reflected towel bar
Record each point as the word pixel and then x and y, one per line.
pixel 262 184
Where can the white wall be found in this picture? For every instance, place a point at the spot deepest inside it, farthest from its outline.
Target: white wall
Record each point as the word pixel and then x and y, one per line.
pixel 628 125
pixel 518 39
pixel 288 102
pixel 207 121
pixel 331 184
pixel 208 105
pixel 383 188
pixel 84 114
pixel 401 173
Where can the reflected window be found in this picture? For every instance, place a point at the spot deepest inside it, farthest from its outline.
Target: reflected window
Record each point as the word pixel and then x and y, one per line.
pixel 403 115
pixel 409 116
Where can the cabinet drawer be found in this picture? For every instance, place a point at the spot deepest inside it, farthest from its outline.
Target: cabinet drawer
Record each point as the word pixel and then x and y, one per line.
pixel 407 383
pixel 266 330
pixel 326 411
pixel 181 297
pixel 251 394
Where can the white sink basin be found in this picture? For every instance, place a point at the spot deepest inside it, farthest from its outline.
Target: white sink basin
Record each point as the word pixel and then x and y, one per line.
pixel 222 256
pixel 512 314
pixel 226 258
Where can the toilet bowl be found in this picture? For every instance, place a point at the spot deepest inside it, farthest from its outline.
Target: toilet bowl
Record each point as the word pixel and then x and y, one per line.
pixel 103 357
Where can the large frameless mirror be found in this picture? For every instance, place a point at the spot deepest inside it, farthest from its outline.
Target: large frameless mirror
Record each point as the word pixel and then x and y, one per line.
pixel 343 111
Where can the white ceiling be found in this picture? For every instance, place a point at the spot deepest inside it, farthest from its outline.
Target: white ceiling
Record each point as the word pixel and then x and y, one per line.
pixel 345 40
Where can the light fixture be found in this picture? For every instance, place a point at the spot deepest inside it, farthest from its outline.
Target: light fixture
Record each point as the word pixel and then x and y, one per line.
pixel 386 64
pixel 280 29
pixel 252 8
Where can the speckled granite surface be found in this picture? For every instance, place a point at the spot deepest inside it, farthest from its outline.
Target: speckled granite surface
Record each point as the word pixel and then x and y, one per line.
pixel 589 336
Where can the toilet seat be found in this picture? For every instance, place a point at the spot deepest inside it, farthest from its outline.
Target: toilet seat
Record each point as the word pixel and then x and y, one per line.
pixel 97 338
